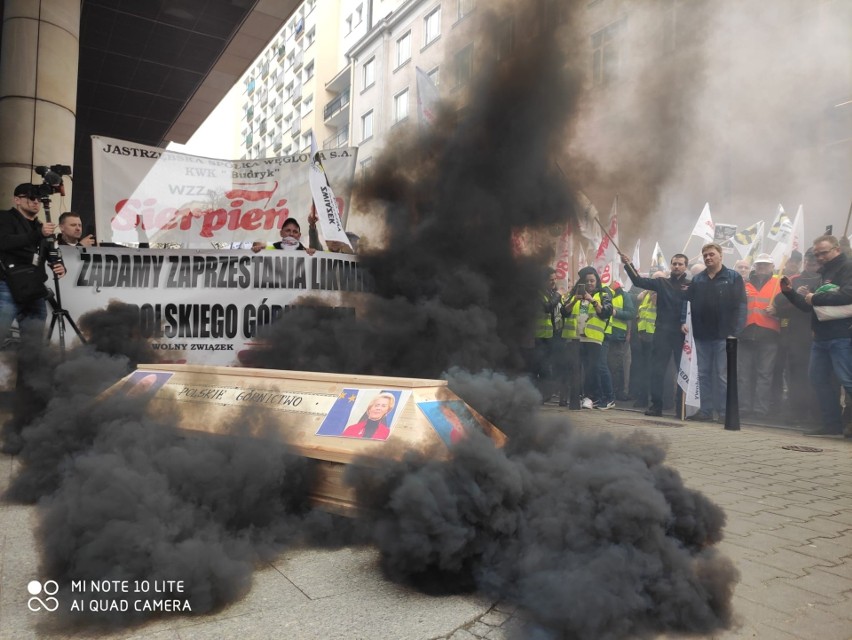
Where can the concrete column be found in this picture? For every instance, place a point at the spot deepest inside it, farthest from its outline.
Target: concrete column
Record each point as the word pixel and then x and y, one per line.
pixel 38 92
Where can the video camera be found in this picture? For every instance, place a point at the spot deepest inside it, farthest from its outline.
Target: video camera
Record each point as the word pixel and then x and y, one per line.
pixel 51 179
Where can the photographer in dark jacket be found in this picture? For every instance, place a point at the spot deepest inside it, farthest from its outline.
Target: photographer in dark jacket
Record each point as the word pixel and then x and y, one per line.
pixel 831 349
pixel 22 242
pixel 668 337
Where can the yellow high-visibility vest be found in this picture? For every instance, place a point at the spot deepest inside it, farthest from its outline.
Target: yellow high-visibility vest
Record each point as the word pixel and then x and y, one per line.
pixel 647 315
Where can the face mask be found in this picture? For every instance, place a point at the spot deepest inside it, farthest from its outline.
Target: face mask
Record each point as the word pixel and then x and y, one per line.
pixel 289 243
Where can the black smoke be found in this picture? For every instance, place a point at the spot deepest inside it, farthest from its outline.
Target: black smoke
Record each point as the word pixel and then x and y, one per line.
pixel 592 536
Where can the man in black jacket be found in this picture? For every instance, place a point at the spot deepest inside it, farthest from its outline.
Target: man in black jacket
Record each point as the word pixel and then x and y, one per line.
pixel 831 350
pixel 22 237
pixel 668 337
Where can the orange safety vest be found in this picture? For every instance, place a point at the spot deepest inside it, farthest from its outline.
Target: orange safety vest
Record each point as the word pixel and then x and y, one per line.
pixel 758 301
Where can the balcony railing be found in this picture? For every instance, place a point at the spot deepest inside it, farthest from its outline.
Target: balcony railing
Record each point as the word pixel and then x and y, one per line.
pixel 335 106
pixel 340 139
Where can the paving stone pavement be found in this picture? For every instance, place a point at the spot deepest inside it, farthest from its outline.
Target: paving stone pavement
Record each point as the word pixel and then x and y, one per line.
pixel 789 532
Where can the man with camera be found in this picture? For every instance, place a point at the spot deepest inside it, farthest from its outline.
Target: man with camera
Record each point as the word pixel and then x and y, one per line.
pixel 71 231
pixel 23 244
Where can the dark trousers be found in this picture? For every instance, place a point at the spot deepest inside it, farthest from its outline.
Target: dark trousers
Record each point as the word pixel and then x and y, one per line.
pixel 640 365
pixel 755 367
pixel 667 346
pixel 543 366
pixel 616 358
pixel 804 406
pixel 590 357
pixel 567 373
pixel 604 375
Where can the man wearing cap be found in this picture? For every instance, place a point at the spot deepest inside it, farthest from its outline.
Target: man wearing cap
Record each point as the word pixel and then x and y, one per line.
pixel 758 344
pixel 22 237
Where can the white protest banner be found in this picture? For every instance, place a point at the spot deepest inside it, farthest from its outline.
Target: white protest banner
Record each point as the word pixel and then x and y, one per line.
pixel 562 259
pixel 205 306
pixel 324 200
pixel 148 194
pixel 687 377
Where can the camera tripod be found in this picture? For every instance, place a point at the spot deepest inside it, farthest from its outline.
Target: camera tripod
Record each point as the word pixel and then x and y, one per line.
pixel 60 315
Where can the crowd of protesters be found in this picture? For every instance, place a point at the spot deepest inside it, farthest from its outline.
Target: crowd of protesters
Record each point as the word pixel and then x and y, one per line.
pixel 597 343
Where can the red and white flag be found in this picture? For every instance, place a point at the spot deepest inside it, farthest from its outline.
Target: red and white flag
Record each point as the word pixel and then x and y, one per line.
pixel 427 98
pixel 606 259
pixel 704 227
pixel 562 259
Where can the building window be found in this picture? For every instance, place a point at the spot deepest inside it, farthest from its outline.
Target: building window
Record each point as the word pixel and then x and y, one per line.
pixel 403 49
pixel 432 26
pixel 359 14
pixel 311 36
pixel 367 125
pixel 400 106
pixel 505 38
pixel 462 63
pixel 307 105
pixel 369 72
pixel 309 70
pixel 606 52
pixel 434 76
pixel 465 7
pixel 306 139
pixel 365 168
pixel 348 25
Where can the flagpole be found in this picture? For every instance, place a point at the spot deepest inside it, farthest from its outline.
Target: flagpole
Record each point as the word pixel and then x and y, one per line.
pixel 688 240
pixel 607 234
pixel 846 228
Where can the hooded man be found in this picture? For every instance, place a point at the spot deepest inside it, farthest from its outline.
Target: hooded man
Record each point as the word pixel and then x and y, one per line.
pixel 587 312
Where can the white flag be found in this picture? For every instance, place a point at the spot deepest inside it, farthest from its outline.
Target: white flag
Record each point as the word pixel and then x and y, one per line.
pixel 749 241
pixel 635 259
pixel 705 228
pixel 427 98
pixel 797 238
pixel 586 220
pixel 327 206
pixel 781 227
pixel 791 242
pixel 687 377
pixel 658 259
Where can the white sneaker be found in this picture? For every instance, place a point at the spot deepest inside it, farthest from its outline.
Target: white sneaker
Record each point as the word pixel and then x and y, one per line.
pixel 604 407
pixel 587 403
